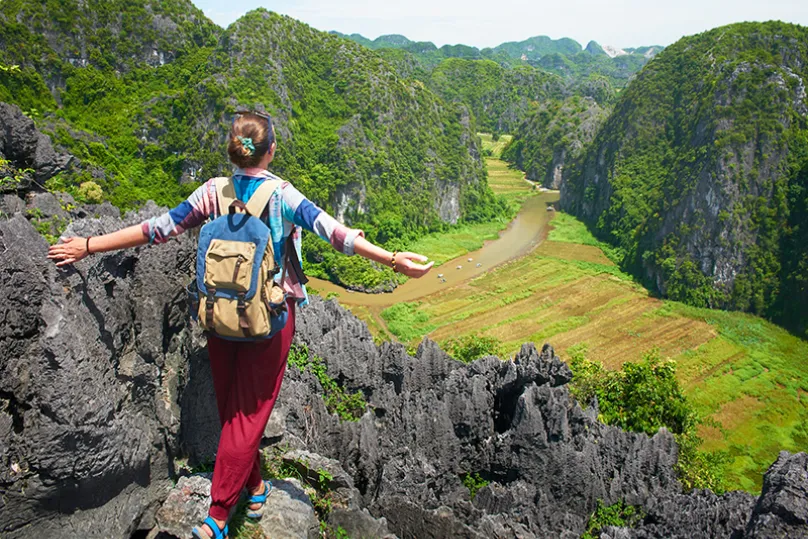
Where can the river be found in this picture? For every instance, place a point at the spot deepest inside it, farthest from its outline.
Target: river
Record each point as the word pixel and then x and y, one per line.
pixel 523 234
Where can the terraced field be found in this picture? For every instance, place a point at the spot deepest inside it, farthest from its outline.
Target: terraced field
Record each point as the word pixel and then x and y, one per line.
pixel 748 377
pixel 495 147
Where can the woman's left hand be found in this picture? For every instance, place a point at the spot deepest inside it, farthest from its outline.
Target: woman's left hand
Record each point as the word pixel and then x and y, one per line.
pixel 407 263
pixel 68 251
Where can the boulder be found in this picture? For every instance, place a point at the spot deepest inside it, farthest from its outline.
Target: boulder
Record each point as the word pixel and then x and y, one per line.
pixel 10 204
pixel 186 506
pixel 289 513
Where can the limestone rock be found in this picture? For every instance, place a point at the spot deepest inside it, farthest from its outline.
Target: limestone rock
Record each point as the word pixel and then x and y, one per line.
pixel 359 524
pixel 92 359
pixel 23 145
pixel 782 509
pixel 186 506
pixel 289 513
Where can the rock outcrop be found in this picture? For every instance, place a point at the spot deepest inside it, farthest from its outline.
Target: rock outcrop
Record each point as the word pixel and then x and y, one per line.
pixel 103 383
pixel 289 513
pixel 26 149
pixel 92 359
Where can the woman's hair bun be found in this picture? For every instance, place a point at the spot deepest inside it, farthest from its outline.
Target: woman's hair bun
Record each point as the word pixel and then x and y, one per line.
pixel 250 139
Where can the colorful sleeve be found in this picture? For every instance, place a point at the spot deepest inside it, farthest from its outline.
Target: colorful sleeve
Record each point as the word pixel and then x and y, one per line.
pixel 302 212
pixel 188 214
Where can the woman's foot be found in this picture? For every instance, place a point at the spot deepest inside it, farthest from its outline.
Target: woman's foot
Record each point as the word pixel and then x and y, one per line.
pixel 258 500
pixel 211 529
pixel 262 488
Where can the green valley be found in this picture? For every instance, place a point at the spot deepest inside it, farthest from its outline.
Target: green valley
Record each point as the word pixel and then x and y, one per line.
pixel 745 375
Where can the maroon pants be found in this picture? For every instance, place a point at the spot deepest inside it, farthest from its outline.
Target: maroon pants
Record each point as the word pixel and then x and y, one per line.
pixel 247 377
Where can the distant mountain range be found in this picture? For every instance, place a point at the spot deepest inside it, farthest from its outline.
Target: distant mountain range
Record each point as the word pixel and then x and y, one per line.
pixel 565 56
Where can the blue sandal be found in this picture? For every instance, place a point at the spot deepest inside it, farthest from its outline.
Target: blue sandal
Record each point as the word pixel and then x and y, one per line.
pixel 218 532
pixel 259 498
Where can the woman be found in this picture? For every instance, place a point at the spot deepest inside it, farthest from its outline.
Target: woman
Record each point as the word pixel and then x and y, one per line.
pixel 246 375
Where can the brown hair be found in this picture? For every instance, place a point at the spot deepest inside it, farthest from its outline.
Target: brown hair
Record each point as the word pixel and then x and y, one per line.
pixel 258 129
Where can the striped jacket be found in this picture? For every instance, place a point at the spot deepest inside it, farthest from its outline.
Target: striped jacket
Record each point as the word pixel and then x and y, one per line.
pixel 288 210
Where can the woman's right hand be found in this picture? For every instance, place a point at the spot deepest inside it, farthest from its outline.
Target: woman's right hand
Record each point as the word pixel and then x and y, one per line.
pixel 68 250
pixel 406 263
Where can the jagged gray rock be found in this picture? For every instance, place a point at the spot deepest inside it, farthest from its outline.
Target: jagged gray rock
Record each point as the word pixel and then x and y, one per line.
pixel 103 381
pixel 23 145
pixel 782 509
pixel 92 360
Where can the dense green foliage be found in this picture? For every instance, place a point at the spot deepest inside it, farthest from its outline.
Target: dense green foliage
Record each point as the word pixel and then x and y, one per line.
pixel 143 95
pixel 618 514
pixel 705 156
pixel 642 397
pixel 348 406
pixel 552 135
pixel 499 97
pixel 645 397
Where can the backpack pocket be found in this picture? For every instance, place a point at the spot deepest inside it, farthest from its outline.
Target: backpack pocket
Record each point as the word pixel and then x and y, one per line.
pixel 228 264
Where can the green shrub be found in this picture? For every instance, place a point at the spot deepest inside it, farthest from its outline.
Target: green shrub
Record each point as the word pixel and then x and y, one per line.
pixel 471 347
pixel 91 192
pixel 474 483
pixel 644 397
pixel 618 514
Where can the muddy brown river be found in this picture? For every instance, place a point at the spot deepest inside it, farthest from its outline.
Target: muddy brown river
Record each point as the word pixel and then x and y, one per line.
pixel 523 234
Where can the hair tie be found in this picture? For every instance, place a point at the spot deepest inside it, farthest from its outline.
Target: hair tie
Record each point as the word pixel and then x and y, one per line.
pixel 247 143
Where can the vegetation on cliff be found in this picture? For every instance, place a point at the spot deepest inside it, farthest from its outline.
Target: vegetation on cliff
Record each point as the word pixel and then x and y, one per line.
pixel 699 174
pixel 143 95
pixel 553 135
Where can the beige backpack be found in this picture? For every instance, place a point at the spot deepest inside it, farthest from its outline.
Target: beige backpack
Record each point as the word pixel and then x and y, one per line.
pixel 237 295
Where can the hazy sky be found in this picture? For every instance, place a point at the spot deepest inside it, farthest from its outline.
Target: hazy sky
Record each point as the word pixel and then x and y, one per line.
pixel 622 23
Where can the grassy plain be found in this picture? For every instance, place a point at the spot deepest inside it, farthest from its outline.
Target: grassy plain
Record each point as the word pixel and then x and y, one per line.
pixel 748 377
pixel 495 147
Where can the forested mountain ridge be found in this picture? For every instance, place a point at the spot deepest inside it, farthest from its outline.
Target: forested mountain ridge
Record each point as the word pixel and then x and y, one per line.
pixel 700 175
pixel 500 98
pixel 564 57
pixel 146 117
pixel 554 135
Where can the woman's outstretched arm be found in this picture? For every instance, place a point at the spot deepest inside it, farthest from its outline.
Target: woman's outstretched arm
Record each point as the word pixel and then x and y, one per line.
pixel 74 249
pixel 188 214
pixel 302 212
pixel 406 263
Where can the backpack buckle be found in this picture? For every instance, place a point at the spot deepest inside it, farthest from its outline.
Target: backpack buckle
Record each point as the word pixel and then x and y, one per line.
pixel 210 298
pixel 243 321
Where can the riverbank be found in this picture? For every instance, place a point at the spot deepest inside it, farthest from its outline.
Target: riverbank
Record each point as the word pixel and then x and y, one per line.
pixel 452 250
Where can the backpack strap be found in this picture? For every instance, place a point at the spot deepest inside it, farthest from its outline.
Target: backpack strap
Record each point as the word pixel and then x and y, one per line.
pixel 225 193
pixel 260 198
